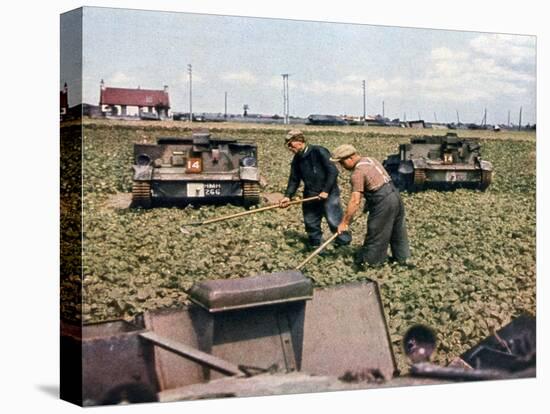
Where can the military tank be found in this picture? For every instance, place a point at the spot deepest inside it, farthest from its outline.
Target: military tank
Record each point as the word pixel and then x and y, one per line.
pixel 195 170
pixel 440 162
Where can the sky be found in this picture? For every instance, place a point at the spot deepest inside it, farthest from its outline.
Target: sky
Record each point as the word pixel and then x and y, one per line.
pixel 435 75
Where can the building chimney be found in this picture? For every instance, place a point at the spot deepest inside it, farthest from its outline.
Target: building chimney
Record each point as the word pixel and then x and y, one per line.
pixel 165 88
pixel 102 85
pixel 65 88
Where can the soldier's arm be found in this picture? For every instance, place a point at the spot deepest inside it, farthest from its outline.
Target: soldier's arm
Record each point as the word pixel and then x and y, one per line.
pixel 293 180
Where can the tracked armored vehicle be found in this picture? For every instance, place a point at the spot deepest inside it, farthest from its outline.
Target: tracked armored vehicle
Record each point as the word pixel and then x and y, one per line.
pixel 440 162
pixel 195 170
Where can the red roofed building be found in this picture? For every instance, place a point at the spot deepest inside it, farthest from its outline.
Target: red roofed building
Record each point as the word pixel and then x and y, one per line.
pixel 120 101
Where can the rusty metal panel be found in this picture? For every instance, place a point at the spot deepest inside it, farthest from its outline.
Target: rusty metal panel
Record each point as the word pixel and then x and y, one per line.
pixel 173 370
pixel 345 330
pixel 113 354
pixel 263 337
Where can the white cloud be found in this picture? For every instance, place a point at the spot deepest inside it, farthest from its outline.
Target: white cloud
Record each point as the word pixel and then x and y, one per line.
pixel 354 78
pixel 244 77
pixel 276 82
pixel 337 87
pixel 514 49
pixel 121 79
pixel 445 54
pixel 388 88
pixel 184 78
pixel 478 72
pixel 471 74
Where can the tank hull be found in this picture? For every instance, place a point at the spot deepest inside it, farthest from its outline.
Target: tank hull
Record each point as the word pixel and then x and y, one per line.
pixel 195 170
pixel 441 163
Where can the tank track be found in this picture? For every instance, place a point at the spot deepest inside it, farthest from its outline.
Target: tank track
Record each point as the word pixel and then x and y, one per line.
pixel 251 193
pixel 141 194
pixel 419 177
pixel 486 179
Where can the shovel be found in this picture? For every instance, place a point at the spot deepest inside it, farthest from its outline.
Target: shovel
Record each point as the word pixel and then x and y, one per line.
pixel 244 213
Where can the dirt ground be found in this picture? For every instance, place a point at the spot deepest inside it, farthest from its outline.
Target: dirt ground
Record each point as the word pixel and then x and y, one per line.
pixel 118 201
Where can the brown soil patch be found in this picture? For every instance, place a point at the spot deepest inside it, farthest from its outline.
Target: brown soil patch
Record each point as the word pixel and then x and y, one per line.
pixel 119 201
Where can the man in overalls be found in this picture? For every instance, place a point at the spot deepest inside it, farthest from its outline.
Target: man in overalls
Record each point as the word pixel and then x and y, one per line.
pixel 386 222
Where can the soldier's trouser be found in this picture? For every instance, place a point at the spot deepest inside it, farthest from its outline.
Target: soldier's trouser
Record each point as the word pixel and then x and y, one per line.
pixel 314 211
pixel 385 226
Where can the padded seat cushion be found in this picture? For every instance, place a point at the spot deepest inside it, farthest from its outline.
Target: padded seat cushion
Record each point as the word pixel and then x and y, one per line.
pixel 264 289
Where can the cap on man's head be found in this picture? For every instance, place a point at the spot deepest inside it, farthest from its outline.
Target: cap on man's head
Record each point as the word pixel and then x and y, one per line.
pixel 343 151
pixel 294 135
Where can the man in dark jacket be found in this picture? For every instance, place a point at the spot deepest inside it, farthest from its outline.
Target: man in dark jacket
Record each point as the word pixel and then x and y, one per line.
pixel 311 164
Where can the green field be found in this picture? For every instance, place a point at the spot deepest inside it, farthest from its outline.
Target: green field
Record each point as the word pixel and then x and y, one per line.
pixel 473 252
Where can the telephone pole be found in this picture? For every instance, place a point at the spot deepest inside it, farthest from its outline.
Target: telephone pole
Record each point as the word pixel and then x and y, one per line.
pixel 520 110
pixel 364 102
pixel 286 104
pixel 225 106
pixel 190 71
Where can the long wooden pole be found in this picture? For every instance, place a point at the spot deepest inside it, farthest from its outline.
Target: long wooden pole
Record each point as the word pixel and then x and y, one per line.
pixel 256 210
pixel 317 251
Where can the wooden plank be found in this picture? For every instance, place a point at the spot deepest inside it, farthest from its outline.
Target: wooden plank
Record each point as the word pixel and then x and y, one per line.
pixel 193 354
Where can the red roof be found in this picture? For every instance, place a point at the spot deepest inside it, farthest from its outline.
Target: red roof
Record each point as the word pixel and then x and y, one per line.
pixel 134 97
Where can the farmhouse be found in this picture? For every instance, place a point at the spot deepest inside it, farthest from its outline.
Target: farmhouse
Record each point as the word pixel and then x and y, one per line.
pixel 130 102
